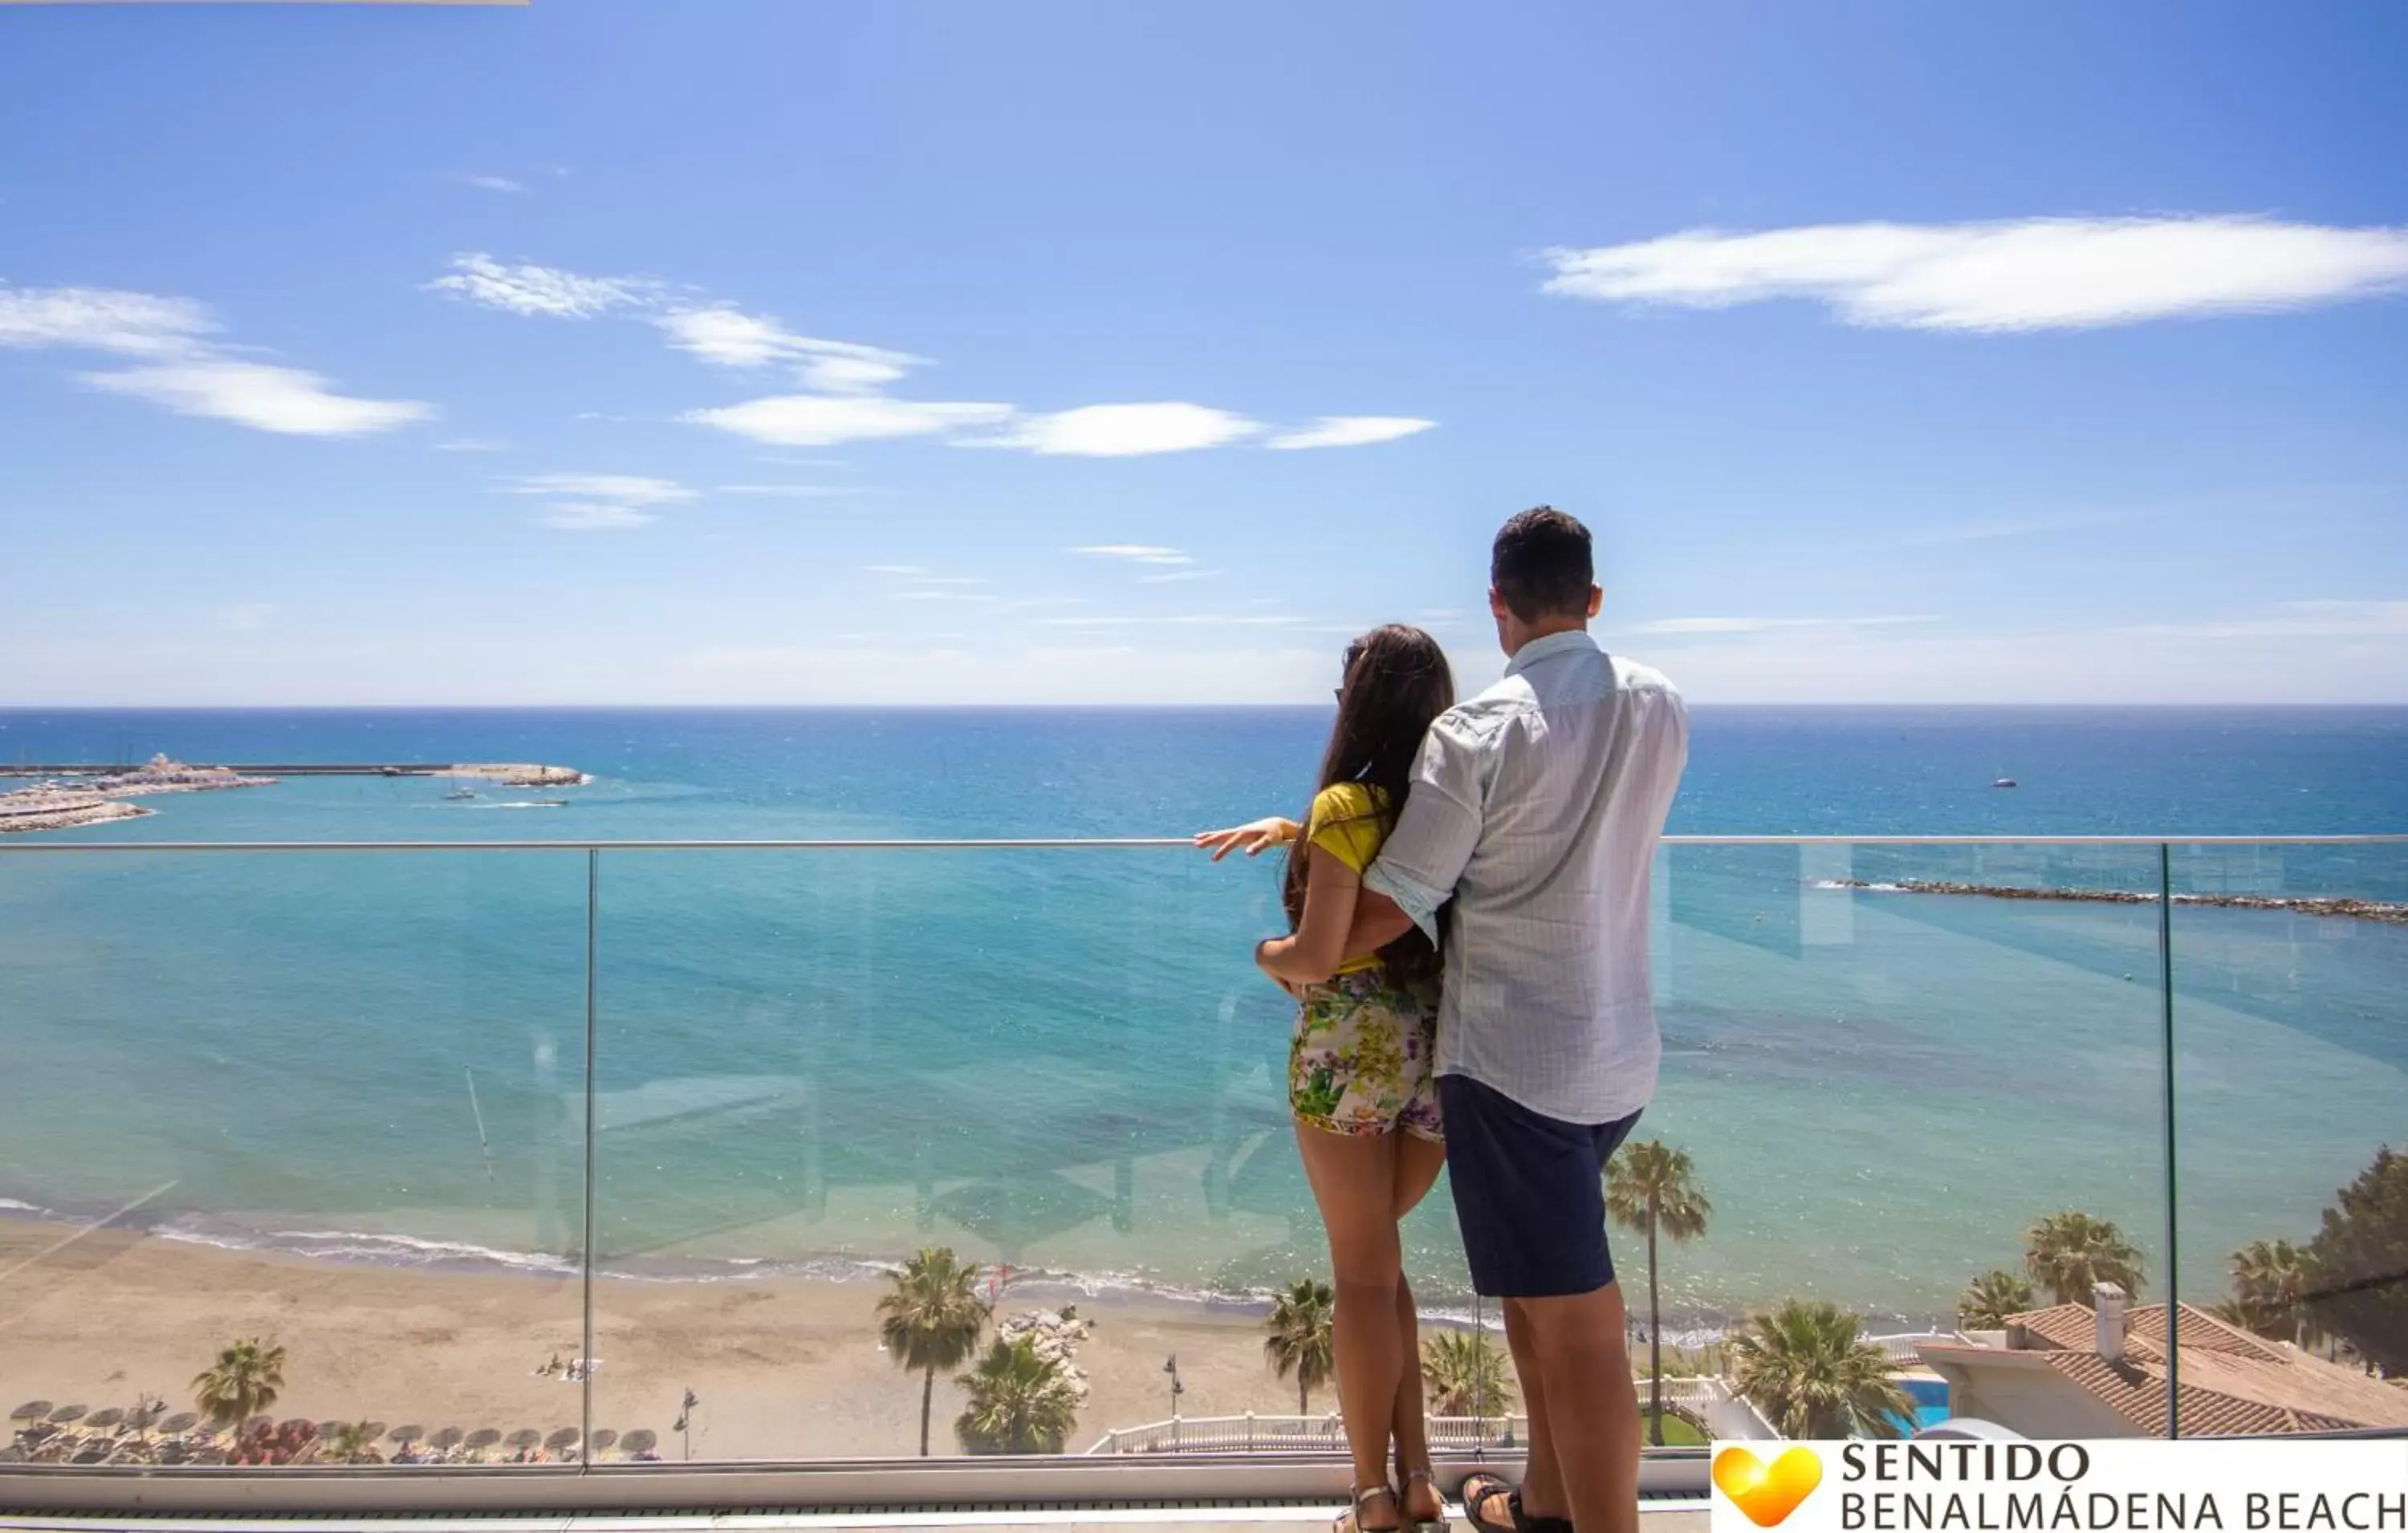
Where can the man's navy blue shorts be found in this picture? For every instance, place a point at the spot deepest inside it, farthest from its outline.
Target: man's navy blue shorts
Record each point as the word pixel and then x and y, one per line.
pixel 1529 1192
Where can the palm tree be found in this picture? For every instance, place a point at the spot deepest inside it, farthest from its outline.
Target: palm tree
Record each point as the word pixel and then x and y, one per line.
pixel 1303 1333
pixel 245 1380
pixel 2071 1253
pixel 1989 1300
pixel 930 1320
pixel 355 1444
pixel 1812 1376
pixel 2270 1278
pixel 1021 1402
pixel 1467 1375
pixel 1651 1188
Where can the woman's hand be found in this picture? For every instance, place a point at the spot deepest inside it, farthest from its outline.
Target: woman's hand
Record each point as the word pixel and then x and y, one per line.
pixel 1253 838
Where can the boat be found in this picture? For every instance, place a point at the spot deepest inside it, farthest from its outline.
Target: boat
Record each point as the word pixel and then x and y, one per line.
pixel 2004 782
pixel 458 794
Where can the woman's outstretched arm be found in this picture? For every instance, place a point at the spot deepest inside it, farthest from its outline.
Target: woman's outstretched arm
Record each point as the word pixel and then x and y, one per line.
pixel 1253 838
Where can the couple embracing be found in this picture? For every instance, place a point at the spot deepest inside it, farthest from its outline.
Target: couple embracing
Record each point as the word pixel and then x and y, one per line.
pixel 1468 897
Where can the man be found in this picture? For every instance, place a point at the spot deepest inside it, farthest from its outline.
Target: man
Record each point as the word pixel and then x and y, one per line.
pixel 1533 821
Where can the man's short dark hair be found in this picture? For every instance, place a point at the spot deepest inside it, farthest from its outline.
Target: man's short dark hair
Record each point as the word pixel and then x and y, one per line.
pixel 1541 565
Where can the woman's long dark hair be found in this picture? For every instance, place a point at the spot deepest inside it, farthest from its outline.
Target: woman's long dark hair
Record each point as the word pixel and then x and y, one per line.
pixel 1396 683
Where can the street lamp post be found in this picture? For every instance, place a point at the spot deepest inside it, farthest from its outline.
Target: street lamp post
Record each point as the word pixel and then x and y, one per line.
pixel 1170 1365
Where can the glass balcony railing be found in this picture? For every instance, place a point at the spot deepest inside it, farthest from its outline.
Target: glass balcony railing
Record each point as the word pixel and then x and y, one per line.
pixel 545 1154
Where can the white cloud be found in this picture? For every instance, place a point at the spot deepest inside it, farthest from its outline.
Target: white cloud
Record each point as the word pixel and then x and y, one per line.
pixel 1177 575
pixel 472 444
pixel 137 324
pixel 538 291
pixel 895 569
pixel 812 419
pixel 2035 274
pixel 1143 553
pixel 491 183
pixel 1121 431
pixel 248 617
pixel 291 400
pixel 851 374
pixel 629 489
pixel 733 338
pixel 790 491
pixel 597 502
pixel 184 368
pixel 592 516
pixel 1759 625
pixel 1351 430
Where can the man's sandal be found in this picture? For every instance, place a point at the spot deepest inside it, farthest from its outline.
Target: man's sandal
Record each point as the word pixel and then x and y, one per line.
pixel 1481 1495
pixel 1351 1520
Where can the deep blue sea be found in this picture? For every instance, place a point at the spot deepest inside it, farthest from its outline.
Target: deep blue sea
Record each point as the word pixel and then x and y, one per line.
pixel 1062 1059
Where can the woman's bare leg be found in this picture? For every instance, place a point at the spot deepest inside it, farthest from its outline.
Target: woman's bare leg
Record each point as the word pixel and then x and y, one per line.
pixel 1418 1163
pixel 1353 1179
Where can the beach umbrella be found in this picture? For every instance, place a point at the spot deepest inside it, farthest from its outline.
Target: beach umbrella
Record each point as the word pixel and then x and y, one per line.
pixel 105 1417
pixel 601 1440
pixel 295 1426
pixel 182 1421
pixel 640 1442
pixel 258 1424
pixel 563 1440
pixel 407 1435
pixel 448 1439
pixel 524 1438
pixel 328 1428
pixel 373 1430
pixel 67 1414
pixel 31 1410
pixel 482 1439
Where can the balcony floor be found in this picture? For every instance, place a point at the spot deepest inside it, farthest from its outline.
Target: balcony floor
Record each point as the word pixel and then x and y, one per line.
pixel 1683 1516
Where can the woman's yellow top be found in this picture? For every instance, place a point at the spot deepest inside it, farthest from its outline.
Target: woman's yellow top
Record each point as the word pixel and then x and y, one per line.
pixel 1349 820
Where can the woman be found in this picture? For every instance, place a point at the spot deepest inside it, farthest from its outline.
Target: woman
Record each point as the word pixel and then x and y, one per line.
pixel 1359 1069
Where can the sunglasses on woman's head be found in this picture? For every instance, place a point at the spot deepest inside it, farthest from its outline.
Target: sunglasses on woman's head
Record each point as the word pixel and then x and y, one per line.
pixel 1345 669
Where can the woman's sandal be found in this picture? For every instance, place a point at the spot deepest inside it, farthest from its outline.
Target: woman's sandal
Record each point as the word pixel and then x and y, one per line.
pixel 1423 1524
pixel 1351 1520
pixel 1482 1492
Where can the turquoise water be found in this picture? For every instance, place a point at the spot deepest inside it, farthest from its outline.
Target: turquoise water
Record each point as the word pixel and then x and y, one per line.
pixel 1062 1059
pixel 1931 1397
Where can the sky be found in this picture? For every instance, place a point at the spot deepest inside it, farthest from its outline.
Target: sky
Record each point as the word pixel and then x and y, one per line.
pixel 626 353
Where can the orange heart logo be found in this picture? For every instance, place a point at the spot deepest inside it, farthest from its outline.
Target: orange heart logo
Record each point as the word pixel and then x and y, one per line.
pixel 1766 1492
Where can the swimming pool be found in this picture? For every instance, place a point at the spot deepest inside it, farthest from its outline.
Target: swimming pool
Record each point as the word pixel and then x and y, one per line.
pixel 1930 1396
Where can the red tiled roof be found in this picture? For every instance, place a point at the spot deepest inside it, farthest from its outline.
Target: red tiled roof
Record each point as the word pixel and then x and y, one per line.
pixel 2231 1382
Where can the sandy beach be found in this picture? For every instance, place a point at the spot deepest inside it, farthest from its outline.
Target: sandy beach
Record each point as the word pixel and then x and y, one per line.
pixel 787 1368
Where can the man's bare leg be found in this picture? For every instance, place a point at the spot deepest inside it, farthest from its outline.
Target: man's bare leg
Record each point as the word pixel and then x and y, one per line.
pixel 1542 1483
pixel 1583 1356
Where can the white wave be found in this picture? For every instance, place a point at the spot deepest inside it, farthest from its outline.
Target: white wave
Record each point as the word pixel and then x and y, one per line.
pixel 363 1246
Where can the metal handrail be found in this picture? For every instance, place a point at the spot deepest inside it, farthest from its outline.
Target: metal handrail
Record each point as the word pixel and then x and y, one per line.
pixel 1142 843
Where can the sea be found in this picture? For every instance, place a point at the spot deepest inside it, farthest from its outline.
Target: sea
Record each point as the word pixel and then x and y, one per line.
pixel 1060 1062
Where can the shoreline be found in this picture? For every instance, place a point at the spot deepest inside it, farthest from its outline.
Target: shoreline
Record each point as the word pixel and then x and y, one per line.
pixel 403 1256
pixel 783 1367
pixel 2338 907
